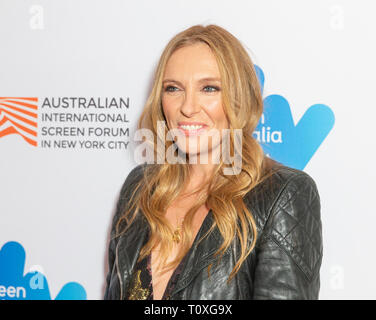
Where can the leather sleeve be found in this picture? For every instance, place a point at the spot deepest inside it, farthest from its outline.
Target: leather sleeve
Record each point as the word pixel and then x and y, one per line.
pixel 124 196
pixel 289 253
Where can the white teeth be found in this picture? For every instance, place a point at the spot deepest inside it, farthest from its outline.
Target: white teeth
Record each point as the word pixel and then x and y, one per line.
pixel 196 127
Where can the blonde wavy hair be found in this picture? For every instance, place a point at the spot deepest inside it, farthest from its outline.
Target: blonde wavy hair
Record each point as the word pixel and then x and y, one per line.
pixel 163 183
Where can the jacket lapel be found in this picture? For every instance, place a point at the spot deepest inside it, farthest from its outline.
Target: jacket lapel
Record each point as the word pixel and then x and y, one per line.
pixel 201 253
pixel 128 250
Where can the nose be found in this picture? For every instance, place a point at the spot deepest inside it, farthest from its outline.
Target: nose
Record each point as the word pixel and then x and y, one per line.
pixel 190 104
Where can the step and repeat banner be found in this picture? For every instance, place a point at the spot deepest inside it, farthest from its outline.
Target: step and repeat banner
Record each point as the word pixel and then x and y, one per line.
pixel 74 76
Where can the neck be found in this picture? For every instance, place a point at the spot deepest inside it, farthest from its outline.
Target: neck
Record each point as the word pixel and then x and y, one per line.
pixel 199 174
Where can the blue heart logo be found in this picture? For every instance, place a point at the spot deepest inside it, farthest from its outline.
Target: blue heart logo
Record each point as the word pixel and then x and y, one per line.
pixel 281 139
pixel 14 285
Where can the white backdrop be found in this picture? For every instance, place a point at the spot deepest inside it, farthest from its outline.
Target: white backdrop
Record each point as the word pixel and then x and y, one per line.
pixel 57 202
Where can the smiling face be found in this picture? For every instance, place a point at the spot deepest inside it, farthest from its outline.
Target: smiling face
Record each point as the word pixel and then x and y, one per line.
pixel 192 99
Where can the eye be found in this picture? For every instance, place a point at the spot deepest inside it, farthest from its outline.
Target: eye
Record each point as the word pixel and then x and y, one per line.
pixel 170 89
pixel 212 88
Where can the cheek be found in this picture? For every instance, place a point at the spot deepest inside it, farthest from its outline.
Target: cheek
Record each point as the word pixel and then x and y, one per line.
pixel 168 108
pixel 215 110
pixel 171 111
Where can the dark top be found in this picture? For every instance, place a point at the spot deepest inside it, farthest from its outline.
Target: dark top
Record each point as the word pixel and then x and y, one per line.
pixel 141 287
pixel 284 265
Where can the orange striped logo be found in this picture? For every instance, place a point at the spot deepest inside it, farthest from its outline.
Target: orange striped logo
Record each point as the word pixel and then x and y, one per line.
pixel 19 115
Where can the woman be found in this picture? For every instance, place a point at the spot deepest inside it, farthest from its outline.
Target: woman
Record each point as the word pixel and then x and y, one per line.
pixel 192 229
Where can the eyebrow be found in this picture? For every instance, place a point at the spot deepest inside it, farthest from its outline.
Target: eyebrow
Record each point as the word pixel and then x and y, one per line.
pixel 201 80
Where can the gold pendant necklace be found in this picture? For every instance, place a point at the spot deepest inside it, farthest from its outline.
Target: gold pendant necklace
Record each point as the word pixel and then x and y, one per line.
pixel 176 236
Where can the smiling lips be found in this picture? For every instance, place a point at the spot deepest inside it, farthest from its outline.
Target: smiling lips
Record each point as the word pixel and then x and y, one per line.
pixel 191 128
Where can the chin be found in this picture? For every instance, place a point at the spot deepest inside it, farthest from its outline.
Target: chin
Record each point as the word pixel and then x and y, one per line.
pixel 203 155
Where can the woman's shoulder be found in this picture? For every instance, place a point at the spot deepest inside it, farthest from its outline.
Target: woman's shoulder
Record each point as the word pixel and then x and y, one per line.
pixel 284 187
pixel 283 172
pixel 136 173
pixel 281 176
pixel 133 177
pixel 128 186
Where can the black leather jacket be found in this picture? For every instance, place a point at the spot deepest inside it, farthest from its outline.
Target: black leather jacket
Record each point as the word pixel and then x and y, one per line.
pixel 285 263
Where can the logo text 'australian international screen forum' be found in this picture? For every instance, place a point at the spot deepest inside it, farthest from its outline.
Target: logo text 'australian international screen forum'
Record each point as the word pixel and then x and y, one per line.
pixel 283 140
